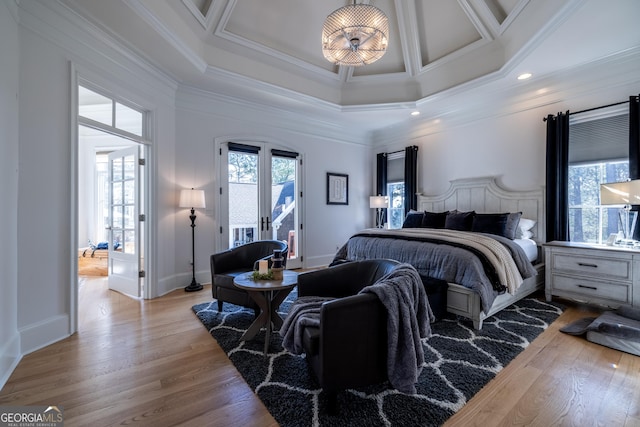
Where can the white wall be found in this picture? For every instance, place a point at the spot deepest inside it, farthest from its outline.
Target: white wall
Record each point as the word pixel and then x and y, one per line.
pixel 201 119
pixel 49 57
pixel 9 82
pixel 506 137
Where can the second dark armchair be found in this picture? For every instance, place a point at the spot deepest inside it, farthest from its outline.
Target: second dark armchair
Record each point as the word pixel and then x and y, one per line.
pixel 349 349
pixel 228 264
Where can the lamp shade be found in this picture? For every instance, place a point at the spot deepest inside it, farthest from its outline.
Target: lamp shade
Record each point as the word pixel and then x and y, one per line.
pixel 620 193
pixel 378 202
pixel 192 199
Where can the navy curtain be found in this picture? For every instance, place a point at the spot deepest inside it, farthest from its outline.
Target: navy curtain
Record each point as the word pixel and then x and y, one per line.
pixel 557 177
pixel 634 147
pixel 410 178
pixel 381 179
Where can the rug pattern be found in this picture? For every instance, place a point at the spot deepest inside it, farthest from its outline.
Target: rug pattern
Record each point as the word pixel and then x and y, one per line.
pixel 459 361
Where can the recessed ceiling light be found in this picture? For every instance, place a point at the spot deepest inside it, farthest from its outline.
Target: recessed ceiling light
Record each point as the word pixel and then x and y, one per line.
pixel 415 113
pixel 524 76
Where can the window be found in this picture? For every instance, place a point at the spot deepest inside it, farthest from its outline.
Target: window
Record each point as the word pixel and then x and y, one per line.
pixel 107 111
pixel 598 153
pixel 395 191
pixel 588 220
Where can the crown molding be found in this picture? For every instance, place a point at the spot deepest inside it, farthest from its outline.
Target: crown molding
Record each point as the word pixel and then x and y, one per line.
pixel 67 29
pixel 541 35
pixel 461 106
pixel 476 20
pixel 313 121
pixel 13 6
pixel 408 30
pixel 221 32
pixel 142 11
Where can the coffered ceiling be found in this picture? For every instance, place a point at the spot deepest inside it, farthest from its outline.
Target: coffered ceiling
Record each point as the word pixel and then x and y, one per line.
pixel 269 51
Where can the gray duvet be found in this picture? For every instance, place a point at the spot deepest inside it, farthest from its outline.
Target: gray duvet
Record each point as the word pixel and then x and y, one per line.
pixel 437 258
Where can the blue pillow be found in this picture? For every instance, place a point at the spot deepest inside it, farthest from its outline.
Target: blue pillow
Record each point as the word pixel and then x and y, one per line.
pixel 490 223
pixel 461 221
pixel 434 219
pixel 512 225
pixel 413 220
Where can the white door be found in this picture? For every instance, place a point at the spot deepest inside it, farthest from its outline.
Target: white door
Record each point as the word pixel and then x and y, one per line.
pixel 124 228
pixel 261 196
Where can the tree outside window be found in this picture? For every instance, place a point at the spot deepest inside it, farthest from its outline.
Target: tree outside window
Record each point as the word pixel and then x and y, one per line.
pixel 395 211
pixel 589 221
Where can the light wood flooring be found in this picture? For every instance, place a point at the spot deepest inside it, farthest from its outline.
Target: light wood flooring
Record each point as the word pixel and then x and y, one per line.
pixel 153 363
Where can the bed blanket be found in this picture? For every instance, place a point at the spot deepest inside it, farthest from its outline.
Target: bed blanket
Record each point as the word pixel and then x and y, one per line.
pixel 487 264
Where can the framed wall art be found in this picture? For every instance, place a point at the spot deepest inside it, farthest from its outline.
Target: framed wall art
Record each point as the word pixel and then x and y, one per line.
pixel 337 189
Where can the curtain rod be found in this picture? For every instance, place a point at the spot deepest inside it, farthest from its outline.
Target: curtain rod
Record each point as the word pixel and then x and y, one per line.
pixel 544 119
pixel 399 151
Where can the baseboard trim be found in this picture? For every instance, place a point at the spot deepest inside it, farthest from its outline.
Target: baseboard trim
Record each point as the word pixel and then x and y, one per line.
pixel 10 356
pixel 39 335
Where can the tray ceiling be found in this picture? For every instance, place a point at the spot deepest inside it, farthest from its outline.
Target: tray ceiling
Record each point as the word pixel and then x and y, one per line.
pixel 269 51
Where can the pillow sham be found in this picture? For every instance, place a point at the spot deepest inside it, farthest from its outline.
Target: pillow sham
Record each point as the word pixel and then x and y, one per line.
pixel 413 220
pixel 524 228
pixel 461 221
pixel 490 223
pixel 434 219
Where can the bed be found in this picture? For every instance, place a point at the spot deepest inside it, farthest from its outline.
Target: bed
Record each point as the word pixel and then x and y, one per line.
pixel 482 195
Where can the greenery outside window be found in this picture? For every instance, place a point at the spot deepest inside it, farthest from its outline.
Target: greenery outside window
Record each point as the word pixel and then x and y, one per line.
pixel 395 210
pixel 589 221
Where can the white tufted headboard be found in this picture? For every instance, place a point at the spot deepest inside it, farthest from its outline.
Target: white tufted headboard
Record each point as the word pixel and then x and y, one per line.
pixel 484 195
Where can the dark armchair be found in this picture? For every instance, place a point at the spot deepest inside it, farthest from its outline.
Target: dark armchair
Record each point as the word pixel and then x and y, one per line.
pixel 349 349
pixel 226 265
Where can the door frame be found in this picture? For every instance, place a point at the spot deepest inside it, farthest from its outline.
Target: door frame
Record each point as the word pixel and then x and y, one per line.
pixel 220 242
pixel 79 75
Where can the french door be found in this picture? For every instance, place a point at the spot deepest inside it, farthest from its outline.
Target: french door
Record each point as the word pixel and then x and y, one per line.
pixel 124 225
pixel 260 196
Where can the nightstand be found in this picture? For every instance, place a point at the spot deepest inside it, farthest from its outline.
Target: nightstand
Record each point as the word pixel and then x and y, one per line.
pixel 594 274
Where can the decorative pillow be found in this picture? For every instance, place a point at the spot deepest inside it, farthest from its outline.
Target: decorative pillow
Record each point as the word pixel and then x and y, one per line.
pixel 490 223
pixel 512 225
pixel 524 228
pixel 461 221
pixel 413 220
pixel 434 219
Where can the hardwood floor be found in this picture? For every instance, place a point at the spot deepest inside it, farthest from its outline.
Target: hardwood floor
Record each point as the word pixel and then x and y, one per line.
pixel 152 363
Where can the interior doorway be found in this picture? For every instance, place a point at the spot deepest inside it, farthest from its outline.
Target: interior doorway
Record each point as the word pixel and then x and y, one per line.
pixel 111 189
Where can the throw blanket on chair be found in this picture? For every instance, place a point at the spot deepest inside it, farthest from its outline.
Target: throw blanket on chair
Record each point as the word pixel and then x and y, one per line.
pixel 305 311
pixel 409 318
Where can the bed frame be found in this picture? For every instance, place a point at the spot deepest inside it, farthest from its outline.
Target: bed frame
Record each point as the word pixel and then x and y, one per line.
pixel 485 195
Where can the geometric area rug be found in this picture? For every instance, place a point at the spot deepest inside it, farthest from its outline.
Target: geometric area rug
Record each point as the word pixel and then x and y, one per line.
pixel 459 361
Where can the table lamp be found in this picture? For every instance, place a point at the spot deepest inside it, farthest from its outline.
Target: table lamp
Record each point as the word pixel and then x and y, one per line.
pixel 625 193
pixel 379 203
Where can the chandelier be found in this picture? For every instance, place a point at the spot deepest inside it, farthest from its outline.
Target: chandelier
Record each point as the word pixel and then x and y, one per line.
pixel 355 35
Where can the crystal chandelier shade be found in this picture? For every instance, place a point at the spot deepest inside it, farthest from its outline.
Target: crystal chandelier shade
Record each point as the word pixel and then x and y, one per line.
pixel 355 35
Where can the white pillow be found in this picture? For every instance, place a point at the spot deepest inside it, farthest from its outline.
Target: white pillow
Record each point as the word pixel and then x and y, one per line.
pixel 524 228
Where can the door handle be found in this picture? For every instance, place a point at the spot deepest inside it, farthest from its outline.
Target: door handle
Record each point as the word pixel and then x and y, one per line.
pixel 261 223
pixel 268 222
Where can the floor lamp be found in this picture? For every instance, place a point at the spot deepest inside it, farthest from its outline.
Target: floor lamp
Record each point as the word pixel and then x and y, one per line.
pixel 192 199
